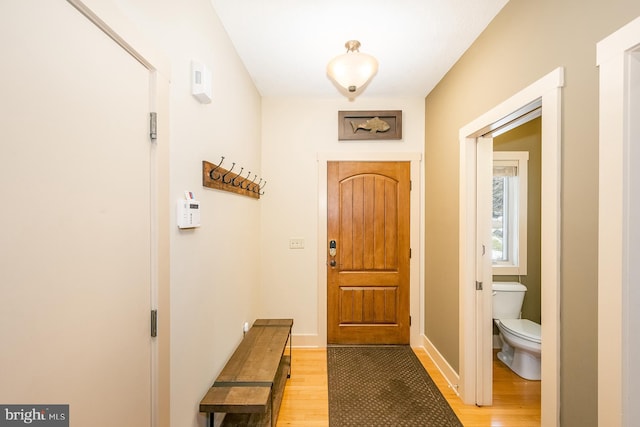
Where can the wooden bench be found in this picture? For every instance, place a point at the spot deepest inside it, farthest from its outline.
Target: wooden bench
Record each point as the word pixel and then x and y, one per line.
pixel 249 389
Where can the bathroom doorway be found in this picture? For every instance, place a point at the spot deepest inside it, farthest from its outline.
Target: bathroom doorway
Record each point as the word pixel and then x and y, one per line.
pixel 475 298
pixel 516 241
pixel 516 227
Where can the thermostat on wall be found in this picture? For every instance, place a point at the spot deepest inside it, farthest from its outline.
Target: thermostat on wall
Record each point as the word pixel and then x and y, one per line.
pixel 188 213
pixel 201 82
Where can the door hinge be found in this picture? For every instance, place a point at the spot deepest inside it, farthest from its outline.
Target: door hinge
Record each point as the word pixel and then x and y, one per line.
pixel 478 286
pixel 153 126
pixel 409 320
pixel 410 185
pixel 154 323
pixel 409 253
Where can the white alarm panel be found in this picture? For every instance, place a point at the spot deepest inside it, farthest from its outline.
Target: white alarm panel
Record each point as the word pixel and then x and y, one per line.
pixel 188 213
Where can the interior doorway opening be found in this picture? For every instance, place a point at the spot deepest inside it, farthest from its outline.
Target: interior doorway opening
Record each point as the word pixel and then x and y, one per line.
pixel 475 301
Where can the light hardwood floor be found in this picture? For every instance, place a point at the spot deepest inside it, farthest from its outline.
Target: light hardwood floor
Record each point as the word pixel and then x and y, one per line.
pixel 516 402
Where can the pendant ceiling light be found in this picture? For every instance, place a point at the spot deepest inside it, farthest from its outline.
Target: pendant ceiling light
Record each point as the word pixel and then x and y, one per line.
pixel 352 70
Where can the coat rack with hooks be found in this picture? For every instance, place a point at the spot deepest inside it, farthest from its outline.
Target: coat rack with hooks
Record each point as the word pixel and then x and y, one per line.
pixel 215 176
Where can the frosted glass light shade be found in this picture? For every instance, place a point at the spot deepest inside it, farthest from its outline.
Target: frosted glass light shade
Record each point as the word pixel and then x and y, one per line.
pixel 353 69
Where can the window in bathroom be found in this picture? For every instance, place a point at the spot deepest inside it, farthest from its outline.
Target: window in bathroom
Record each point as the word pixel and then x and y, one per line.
pixel 509 215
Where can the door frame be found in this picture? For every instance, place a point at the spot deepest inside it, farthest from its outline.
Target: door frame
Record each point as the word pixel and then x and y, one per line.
pixel 473 344
pixel 416 303
pixel 614 312
pixel 108 18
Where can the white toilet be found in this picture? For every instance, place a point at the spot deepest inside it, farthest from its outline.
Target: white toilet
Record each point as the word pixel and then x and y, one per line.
pixel 520 337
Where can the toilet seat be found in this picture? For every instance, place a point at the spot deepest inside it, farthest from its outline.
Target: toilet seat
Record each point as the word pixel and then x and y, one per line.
pixel 523 328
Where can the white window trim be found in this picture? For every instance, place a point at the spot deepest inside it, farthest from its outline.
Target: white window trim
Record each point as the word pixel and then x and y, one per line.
pixel 522 160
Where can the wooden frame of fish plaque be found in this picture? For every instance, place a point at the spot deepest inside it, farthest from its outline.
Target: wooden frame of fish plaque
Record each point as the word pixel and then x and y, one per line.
pixel 367 125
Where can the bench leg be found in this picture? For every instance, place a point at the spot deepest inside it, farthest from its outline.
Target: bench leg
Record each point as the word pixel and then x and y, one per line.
pixel 212 419
pixel 271 400
pixel 290 353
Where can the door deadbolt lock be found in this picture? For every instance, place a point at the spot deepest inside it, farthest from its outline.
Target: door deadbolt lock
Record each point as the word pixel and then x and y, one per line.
pixel 332 248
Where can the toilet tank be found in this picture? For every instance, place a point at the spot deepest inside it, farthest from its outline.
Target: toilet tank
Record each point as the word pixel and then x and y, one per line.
pixel 507 299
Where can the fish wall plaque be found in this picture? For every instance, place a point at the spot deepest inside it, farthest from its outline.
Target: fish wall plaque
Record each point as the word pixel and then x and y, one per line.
pixel 367 125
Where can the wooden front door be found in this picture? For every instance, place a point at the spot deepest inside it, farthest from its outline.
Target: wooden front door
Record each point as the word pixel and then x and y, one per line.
pixel 368 252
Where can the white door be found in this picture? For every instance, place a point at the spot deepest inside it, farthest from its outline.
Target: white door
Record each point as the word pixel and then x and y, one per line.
pixel 484 272
pixel 75 220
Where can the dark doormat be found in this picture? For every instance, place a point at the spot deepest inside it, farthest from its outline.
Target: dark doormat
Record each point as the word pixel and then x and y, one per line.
pixel 384 386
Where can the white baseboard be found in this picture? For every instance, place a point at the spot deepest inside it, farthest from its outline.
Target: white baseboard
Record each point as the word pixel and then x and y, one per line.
pixel 441 363
pixel 307 341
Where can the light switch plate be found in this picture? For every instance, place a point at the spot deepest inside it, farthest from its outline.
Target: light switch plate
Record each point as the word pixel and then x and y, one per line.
pixel 296 243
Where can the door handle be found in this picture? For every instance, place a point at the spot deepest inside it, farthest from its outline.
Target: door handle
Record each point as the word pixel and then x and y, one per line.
pixel 333 247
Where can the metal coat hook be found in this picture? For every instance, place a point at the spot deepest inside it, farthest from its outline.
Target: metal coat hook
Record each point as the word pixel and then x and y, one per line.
pixel 259 186
pixel 227 173
pixel 251 183
pixel 233 181
pixel 216 168
pixel 256 187
pixel 242 182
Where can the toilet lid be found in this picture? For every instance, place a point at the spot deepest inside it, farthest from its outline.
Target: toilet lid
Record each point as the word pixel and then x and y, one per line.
pixel 523 328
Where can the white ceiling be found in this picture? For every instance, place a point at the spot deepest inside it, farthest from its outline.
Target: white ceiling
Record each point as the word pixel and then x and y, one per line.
pixel 286 44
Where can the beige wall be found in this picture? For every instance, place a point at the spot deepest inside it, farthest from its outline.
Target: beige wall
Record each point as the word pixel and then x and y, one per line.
pixel 528 137
pixel 526 41
pixel 237 266
pixel 295 131
pixel 214 274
